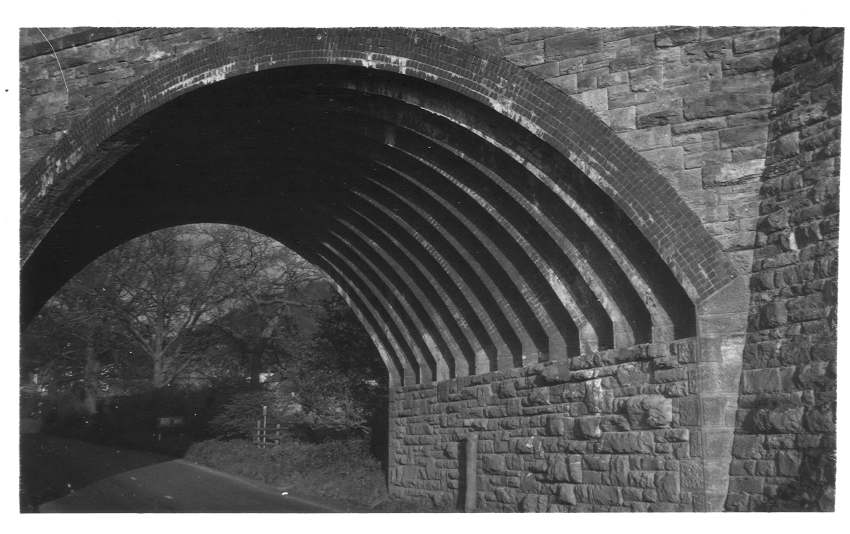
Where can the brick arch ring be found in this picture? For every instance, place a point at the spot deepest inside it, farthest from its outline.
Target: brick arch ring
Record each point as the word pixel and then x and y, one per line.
pixel 588 174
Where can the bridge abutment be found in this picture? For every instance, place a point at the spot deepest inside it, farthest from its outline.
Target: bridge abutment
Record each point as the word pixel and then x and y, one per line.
pixel 629 429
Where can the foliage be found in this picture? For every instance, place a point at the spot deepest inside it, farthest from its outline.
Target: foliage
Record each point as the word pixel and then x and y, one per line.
pixel 340 344
pixel 331 389
pixel 239 415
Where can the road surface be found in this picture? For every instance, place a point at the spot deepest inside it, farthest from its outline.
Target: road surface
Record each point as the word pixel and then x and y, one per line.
pixel 167 485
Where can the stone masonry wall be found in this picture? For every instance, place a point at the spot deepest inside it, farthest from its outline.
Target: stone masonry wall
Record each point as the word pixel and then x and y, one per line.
pixel 784 448
pixel 608 431
pixel 692 101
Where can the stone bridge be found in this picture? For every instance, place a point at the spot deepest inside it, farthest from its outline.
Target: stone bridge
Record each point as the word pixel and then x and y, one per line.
pixel 599 264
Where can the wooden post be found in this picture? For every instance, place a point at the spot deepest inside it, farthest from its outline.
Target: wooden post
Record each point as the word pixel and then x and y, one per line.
pixel 471 474
pixel 265 424
pixel 257 439
pixel 277 434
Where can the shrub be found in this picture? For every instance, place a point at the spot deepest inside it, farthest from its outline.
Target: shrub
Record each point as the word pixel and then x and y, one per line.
pixel 238 417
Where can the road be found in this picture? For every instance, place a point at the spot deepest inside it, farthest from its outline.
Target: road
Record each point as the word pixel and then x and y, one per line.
pixel 161 485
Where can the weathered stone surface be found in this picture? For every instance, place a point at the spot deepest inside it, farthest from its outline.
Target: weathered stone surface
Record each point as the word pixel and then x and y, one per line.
pixel 676 36
pixel 555 425
pixel 556 374
pixel 494 463
pixel 627 442
pixel 566 494
pixel 725 173
pixel 594 494
pixel 653 411
pixel 667 485
pixel 578 43
pixel 724 104
pixel 589 427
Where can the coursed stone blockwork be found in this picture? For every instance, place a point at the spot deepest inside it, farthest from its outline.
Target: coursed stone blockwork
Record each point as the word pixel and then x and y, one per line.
pixel 616 430
pixel 784 452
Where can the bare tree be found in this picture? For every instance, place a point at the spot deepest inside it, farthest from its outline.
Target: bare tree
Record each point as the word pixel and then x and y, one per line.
pixel 160 288
pixel 267 282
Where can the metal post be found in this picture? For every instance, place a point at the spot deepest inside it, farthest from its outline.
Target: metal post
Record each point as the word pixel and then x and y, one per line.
pixel 471 474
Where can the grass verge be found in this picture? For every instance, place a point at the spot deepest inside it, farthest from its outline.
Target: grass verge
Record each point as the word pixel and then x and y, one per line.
pixel 343 472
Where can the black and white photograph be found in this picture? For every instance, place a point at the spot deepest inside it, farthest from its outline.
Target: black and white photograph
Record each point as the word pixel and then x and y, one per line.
pixel 426 268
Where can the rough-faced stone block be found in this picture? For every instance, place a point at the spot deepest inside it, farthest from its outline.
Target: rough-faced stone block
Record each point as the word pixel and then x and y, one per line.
pixel 595 99
pixel 566 494
pixel 746 446
pixel 725 173
pixel 627 442
pixel 555 425
pixel 676 36
pixel 598 495
pixel 621 119
pixel 666 160
pixel 533 503
pixel 658 113
pixel 589 427
pixel 760 61
pixel 494 463
pixel 645 79
pixel 647 138
pixel 743 136
pixel 537 397
pixel 573 44
pixel 641 479
pixel 567 83
pixel 717 105
pixel 667 485
pixel 755 40
pixel 652 411
pixel 557 469
pixel 556 374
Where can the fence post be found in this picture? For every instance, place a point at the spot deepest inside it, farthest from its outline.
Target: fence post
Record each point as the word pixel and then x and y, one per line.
pixel 471 474
pixel 265 424
pixel 257 438
pixel 277 434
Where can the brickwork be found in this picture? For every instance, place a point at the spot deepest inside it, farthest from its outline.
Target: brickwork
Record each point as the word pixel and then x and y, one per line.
pixel 784 452
pixel 616 430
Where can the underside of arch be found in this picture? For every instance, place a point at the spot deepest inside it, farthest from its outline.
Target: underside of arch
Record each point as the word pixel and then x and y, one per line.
pixel 472 243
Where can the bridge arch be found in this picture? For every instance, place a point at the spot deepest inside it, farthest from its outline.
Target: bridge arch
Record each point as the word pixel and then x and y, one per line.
pixel 477 217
